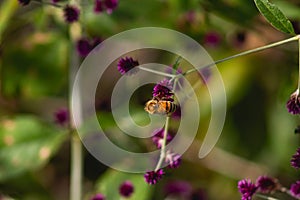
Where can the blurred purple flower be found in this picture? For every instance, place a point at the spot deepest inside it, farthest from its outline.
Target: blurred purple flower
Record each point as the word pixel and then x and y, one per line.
pixel 98 6
pixel 83 47
pixel 205 74
pixel 163 90
pixel 266 184
pixel 181 188
pixel 71 13
pixel 295 161
pixel 126 189
pixel 24 2
pixel 98 197
pixel 127 64
pixel 154 176
pixel 247 189
pixel 295 189
pixel 212 39
pixel 111 5
pixel 55 1
pixel 158 136
pixel 293 104
pixel 62 116
pixel 172 159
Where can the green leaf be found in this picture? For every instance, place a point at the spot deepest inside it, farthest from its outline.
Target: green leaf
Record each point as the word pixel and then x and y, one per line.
pixel 26 144
pixel 109 184
pixel 274 16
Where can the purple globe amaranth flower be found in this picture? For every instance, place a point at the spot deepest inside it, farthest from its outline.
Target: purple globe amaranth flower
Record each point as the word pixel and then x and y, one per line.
pixel 83 47
pixel 24 2
pixel 154 176
pixel 267 184
pixel 98 197
pixel 293 104
pixel 98 6
pixel 182 188
pixel 295 189
pixel 71 13
pixel 163 90
pixel 62 116
pixel 247 189
pixel 172 159
pixel 127 64
pixel 126 189
pixel 212 39
pixel 295 161
pixel 110 5
pixel 158 137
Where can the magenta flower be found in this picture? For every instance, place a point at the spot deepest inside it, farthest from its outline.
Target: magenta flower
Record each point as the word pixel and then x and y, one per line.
pixel 295 189
pixel 126 189
pixel 110 5
pixel 24 2
pixel 293 104
pixel 71 13
pixel 62 116
pixel 172 159
pixel 247 189
pixel 295 161
pixel 98 6
pixel 154 176
pixel 266 184
pixel 181 188
pixel 127 64
pixel 163 90
pixel 83 47
pixel 158 137
pixel 98 197
pixel 212 39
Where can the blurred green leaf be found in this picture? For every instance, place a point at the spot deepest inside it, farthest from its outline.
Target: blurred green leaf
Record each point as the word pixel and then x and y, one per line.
pixel 274 16
pixel 26 144
pixel 109 184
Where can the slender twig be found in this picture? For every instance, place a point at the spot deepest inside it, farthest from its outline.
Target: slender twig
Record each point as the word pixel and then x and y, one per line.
pixel 265 197
pixel 157 72
pixel 163 145
pixel 297 37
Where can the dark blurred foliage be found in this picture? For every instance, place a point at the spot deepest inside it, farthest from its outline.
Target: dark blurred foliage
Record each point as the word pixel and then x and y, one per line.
pixel 258 136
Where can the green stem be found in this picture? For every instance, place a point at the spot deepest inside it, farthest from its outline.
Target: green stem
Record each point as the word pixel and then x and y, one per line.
pixel 156 72
pixel 265 197
pixel 163 146
pixel 297 37
pixel 76 167
pixel 299 63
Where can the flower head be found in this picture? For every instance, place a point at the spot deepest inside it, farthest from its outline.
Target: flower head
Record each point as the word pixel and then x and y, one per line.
pixel 247 189
pixel 110 5
pixel 295 161
pixel 163 90
pixel 293 104
pixel 98 197
pixel 98 6
pixel 182 188
pixel 71 13
pixel 154 176
pixel 173 159
pixel 127 64
pixel 158 137
pixel 24 2
pixel 126 189
pixel 62 116
pixel 212 39
pixel 266 184
pixel 295 189
pixel 83 47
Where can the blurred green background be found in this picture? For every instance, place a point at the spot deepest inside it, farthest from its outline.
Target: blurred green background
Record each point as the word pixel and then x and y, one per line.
pixel 258 137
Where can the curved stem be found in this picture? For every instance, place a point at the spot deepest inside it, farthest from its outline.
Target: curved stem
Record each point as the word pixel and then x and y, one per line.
pixel 297 37
pixel 163 145
pixel 156 72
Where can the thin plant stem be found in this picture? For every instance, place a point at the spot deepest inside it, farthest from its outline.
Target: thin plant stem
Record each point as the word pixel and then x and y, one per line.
pixel 76 145
pixel 156 72
pixel 265 197
pixel 297 37
pixel 299 63
pixel 163 145
pixel 48 3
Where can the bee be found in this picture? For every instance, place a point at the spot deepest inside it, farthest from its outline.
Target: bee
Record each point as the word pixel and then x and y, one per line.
pixel 160 106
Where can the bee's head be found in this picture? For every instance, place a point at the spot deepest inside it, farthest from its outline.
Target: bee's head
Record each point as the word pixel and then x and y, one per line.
pixel 151 106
